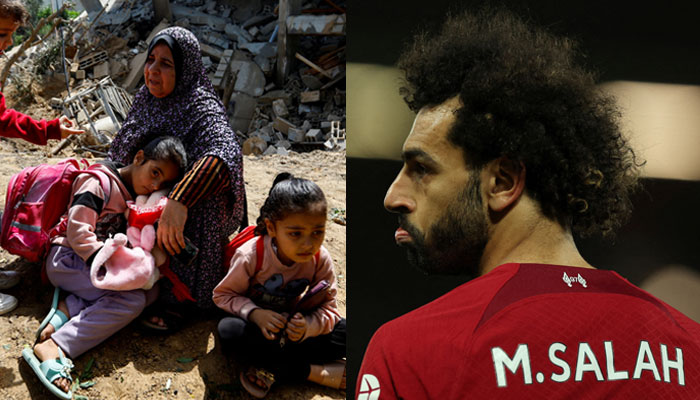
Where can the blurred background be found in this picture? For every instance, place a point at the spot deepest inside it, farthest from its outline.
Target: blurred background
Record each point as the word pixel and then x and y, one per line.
pixel 647 56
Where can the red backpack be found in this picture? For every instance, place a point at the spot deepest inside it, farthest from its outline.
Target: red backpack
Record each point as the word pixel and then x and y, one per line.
pixel 243 236
pixel 36 199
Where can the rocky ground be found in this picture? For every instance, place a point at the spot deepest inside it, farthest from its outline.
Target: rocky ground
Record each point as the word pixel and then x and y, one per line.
pixel 134 364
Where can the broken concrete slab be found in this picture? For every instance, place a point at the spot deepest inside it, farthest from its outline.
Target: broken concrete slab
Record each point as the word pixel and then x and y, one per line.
pixel 281 151
pixel 264 49
pixel 237 33
pixel 211 51
pixel 310 96
pixel 282 125
pixel 311 81
pixel 314 135
pixel 295 135
pixel 198 17
pixel 273 95
pixel 270 151
pixel 283 144
pixel 136 71
pixel 265 66
pixel 243 110
pixel 280 108
pixel 249 78
pixel 101 70
pixel 307 24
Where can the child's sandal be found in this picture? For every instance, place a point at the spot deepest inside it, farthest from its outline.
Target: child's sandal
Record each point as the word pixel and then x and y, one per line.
pixel 260 375
pixel 55 317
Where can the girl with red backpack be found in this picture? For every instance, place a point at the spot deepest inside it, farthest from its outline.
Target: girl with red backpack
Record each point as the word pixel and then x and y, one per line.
pixel 281 334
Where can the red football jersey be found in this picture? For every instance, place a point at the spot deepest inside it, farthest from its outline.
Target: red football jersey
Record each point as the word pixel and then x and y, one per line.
pixel 532 331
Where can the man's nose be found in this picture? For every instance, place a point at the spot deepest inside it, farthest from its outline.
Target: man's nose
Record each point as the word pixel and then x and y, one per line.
pixel 398 198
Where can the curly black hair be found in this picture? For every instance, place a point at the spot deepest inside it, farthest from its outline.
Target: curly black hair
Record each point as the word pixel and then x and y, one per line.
pixel 14 9
pixel 289 195
pixel 524 97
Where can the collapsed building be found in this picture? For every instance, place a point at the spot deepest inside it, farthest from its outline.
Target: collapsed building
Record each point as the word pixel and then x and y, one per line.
pixel 278 66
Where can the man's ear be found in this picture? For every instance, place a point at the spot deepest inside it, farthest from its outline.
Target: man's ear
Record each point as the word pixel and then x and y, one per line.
pixel 505 182
pixel 139 158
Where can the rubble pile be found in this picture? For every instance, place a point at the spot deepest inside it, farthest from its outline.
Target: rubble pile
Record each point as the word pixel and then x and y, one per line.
pixel 279 66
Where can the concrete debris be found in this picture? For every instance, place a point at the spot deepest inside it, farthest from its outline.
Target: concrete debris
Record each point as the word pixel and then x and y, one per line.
pixel 243 43
pixel 249 78
pixel 316 24
pixel 279 108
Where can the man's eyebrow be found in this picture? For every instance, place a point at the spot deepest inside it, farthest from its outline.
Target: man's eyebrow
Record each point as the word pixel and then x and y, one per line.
pixel 412 154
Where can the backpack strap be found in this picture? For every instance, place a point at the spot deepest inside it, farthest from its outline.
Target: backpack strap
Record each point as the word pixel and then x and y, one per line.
pixel 105 181
pixel 259 253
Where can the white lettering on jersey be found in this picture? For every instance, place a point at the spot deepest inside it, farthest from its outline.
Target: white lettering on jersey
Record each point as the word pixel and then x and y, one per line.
pixel 650 365
pixel 668 364
pixel 369 388
pixel 501 360
pixel 584 351
pixel 587 361
pixel 565 370
pixel 610 364
pixel 569 279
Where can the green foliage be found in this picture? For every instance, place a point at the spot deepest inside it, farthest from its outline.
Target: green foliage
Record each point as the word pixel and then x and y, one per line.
pixel 37 12
pixel 48 58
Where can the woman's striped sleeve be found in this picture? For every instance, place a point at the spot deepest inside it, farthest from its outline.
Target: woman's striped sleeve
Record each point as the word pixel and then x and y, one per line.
pixel 208 176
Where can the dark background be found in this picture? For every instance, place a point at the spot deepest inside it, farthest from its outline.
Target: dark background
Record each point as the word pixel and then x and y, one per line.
pixel 622 41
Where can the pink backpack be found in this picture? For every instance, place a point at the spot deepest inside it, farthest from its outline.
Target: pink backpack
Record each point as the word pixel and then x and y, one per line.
pixel 36 199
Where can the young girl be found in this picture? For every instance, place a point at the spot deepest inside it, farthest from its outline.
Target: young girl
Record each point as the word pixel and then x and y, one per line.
pixel 281 338
pixel 88 315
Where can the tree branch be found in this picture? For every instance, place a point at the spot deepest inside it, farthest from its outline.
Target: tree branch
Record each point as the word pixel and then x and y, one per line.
pixel 28 42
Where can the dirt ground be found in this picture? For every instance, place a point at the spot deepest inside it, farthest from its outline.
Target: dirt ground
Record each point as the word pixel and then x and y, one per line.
pixel 134 364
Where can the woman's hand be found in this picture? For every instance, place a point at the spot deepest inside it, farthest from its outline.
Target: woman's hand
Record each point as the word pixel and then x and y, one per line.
pixel 171 227
pixel 296 327
pixel 66 126
pixel 268 321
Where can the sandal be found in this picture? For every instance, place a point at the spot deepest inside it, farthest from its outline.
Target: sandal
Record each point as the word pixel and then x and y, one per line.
pixel 50 370
pixel 174 321
pixel 332 375
pixel 260 374
pixel 55 316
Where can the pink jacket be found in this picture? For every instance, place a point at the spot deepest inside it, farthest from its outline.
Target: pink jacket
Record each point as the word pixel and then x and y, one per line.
pixel 80 226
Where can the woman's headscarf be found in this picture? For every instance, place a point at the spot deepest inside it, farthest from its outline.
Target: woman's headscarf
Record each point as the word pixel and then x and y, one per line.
pixel 193 113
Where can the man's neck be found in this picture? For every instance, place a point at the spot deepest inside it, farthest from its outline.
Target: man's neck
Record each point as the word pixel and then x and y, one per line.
pixel 524 235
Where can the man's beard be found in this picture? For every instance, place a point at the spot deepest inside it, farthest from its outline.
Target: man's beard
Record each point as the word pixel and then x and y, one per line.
pixel 456 241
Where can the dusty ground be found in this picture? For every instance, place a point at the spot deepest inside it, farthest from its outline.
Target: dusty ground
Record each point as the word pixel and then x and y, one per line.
pixel 134 364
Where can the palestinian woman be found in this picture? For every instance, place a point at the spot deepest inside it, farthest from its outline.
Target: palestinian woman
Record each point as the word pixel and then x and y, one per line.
pixel 207 205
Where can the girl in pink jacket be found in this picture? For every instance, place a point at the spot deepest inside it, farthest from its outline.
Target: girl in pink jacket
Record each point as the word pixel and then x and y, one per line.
pixel 280 333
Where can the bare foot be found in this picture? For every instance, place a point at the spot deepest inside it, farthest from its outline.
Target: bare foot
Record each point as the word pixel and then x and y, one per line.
pixel 319 374
pixel 157 321
pixel 261 378
pixel 48 350
pixel 50 329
